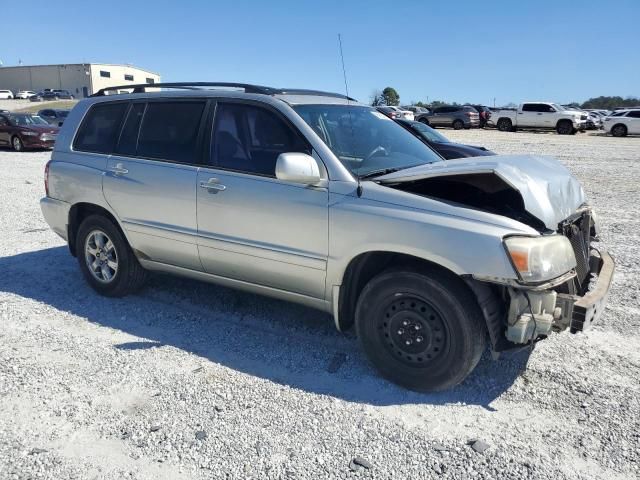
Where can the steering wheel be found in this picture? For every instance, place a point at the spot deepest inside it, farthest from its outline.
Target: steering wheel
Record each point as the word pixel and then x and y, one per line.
pixel 376 151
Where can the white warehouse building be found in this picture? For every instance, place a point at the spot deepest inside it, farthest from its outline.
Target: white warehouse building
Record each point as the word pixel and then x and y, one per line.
pixel 81 79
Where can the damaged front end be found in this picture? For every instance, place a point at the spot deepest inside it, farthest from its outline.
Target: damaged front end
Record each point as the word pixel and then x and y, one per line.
pixel 562 279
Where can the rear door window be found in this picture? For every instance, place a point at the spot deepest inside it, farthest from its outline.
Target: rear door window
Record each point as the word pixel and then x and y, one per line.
pixel 100 128
pixel 170 131
pixel 634 114
pixel 128 143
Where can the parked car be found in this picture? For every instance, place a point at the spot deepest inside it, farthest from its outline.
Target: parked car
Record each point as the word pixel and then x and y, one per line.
pixel 54 116
pixel 315 198
pixel 539 116
pixel 417 111
pixel 484 112
pixel 395 112
pixel 623 122
pixel 24 94
pixel 441 144
pixel 456 116
pixel 52 95
pixel 24 130
pixel 6 94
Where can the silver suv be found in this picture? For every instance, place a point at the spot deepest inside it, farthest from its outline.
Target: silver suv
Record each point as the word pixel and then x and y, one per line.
pixel 314 198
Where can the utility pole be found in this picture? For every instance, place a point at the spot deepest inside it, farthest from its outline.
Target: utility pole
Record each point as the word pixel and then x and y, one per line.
pixel 494 102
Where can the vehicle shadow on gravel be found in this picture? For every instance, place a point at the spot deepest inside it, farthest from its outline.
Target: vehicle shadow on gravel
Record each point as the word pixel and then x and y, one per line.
pixel 274 340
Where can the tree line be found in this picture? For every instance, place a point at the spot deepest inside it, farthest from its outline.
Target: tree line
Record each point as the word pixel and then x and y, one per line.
pixel 390 96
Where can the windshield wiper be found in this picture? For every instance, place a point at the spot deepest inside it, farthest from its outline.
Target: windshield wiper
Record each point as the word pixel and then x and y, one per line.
pixel 378 173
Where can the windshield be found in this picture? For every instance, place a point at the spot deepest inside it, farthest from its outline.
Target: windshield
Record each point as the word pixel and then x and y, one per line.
pixel 428 133
pixel 26 120
pixel 365 140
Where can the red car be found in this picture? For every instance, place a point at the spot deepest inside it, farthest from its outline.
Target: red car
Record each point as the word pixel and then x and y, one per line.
pixel 24 130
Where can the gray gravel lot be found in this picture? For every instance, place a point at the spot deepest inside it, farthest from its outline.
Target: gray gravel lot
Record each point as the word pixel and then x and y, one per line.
pixel 188 380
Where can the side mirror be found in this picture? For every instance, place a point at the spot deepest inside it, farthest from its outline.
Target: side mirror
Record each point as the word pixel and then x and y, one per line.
pixel 297 168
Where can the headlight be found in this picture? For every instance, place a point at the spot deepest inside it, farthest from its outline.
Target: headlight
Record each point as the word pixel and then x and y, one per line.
pixel 30 134
pixel 538 259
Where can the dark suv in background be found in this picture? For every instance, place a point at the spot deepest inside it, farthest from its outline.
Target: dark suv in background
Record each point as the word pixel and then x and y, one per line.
pixel 455 116
pixel 484 112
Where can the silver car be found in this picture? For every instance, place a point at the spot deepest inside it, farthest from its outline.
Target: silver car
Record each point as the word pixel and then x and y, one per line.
pixel 314 198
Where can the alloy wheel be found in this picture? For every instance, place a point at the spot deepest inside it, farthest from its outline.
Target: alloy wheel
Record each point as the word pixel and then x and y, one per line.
pixel 101 256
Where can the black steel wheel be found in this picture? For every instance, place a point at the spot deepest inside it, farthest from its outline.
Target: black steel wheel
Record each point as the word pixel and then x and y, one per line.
pixel 619 130
pixel 565 127
pixel 505 125
pixel 458 124
pixel 421 329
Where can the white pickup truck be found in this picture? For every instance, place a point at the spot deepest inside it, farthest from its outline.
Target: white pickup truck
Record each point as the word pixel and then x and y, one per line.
pixel 539 116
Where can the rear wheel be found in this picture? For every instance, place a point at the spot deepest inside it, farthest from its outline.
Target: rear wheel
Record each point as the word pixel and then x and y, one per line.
pixel 619 130
pixel 458 124
pixel 423 331
pixel 106 259
pixel 424 120
pixel 17 144
pixel 565 127
pixel 505 125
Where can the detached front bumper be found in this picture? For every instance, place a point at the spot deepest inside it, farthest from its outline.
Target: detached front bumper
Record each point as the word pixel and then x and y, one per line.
pixel 580 312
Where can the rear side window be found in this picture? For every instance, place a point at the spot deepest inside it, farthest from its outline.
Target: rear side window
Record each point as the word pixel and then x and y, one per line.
pixel 529 107
pixel 634 114
pixel 99 130
pixel 170 131
pixel 249 139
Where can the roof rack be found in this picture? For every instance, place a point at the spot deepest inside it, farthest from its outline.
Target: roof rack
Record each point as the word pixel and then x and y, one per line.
pixel 141 88
pixel 248 88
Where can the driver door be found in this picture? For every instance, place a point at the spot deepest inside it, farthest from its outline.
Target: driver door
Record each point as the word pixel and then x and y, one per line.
pixel 253 227
pixel 5 131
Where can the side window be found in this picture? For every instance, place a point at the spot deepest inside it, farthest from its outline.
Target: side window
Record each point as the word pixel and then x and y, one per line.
pixel 99 130
pixel 634 114
pixel 529 107
pixel 546 108
pixel 129 137
pixel 3 121
pixel 170 131
pixel 249 139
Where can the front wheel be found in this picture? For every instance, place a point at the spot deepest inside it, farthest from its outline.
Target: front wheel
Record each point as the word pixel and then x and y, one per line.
pixel 423 331
pixel 106 259
pixel 17 144
pixel 565 127
pixel 505 125
pixel 424 120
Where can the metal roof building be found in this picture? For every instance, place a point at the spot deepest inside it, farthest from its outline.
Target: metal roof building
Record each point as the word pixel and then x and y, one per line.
pixel 81 79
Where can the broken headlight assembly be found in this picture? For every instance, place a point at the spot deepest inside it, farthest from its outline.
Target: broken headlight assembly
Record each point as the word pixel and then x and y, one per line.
pixel 540 259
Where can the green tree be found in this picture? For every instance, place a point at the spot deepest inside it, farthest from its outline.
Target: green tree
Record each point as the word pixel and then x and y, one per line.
pixel 391 96
pixel 611 103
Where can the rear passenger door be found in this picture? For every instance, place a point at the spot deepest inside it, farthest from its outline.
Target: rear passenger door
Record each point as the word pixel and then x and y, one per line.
pixel 150 179
pixel 253 227
pixel 633 122
pixel 528 117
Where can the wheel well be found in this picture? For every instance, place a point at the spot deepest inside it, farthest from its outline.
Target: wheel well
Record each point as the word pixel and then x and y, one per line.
pixel 77 214
pixel 363 268
pixel 563 120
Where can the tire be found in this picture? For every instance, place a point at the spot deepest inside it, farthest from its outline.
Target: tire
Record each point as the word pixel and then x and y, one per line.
pixel 17 144
pixel 425 121
pixel 458 124
pixel 565 127
pixel 436 313
pixel 128 275
pixel 505 125
pixel 619 130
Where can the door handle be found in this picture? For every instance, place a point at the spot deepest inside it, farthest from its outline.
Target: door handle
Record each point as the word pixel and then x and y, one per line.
pixel 118 169
pixel 213 184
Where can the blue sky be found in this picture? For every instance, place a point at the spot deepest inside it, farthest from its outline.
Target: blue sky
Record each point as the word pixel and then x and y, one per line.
pixel 459 51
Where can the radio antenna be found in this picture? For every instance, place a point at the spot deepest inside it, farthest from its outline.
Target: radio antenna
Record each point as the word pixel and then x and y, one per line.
pixel 346 89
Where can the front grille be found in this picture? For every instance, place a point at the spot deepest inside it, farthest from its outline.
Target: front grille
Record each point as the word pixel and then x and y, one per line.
pixel 578 232
pixel 583 117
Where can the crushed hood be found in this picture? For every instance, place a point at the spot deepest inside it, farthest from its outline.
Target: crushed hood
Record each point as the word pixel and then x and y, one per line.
pixel 549 191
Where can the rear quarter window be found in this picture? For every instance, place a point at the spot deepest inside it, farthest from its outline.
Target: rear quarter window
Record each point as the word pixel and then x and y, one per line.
pixel 99 130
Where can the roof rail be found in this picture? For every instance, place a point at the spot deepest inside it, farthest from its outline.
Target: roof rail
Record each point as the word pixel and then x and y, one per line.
pixel 319 93
pixel 141 88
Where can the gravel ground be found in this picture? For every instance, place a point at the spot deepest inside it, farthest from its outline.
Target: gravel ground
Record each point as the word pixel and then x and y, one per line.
pixel 190 381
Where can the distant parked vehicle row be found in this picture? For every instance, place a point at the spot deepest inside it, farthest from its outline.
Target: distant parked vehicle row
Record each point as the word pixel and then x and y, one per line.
pixel 540 116
pixel 396 112
pixel 623 122
pixel 455 116
pixel 6 94
pixel 25 94
pixel 52 95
